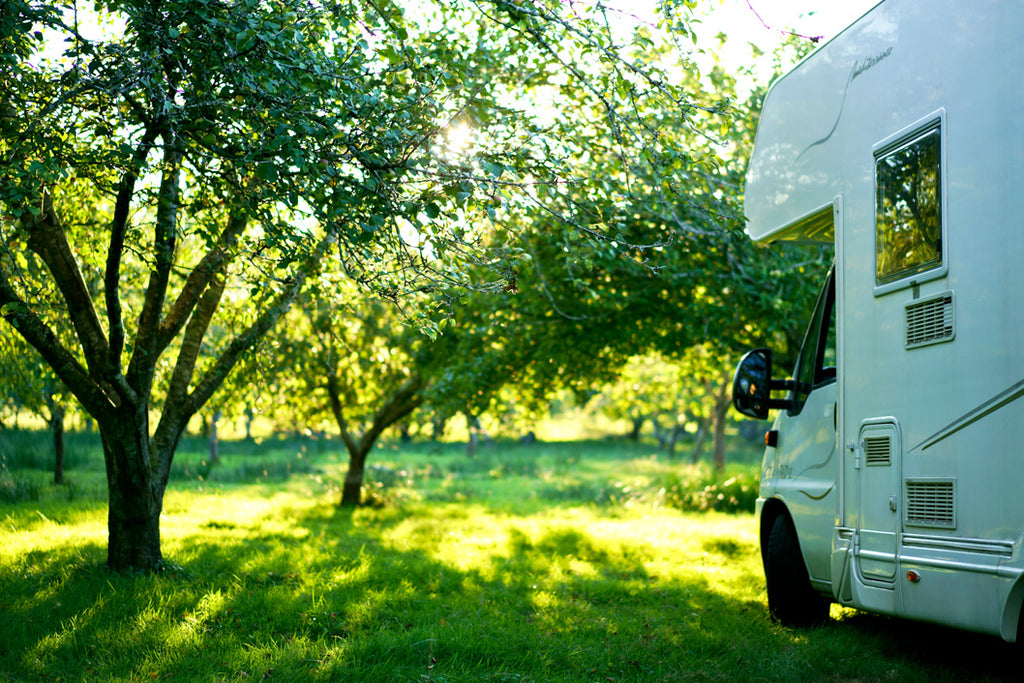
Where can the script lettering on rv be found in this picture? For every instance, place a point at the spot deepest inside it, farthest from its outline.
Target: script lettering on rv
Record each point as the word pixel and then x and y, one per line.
pixel 869 63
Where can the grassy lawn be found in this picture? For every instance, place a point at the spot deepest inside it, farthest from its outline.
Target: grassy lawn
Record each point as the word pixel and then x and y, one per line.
pixel 552 562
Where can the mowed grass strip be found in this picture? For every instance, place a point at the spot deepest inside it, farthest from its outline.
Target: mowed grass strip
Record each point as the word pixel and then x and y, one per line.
pixel 270 581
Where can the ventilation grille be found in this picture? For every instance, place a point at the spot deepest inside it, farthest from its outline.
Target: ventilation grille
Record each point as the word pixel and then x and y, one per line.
pixel 930 503
pixel 877 450
pixel 930 321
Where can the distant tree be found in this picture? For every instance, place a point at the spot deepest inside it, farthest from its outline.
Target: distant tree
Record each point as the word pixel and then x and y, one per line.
pixel 31 385
pixel 356 365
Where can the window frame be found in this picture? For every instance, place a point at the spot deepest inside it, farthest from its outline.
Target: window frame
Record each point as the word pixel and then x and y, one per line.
pixel 934 122
pixel 812 349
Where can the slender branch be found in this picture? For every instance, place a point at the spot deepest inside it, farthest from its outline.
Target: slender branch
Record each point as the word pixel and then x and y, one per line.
pixel 785 32
pixel 155 335
pixel 115 251
pixel 334 395
pixel 249 337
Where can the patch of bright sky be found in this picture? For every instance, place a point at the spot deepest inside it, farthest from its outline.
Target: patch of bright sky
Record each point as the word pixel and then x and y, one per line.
pixel 764 23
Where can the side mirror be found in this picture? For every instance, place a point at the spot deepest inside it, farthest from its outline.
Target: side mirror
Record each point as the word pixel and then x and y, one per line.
pixel 752 385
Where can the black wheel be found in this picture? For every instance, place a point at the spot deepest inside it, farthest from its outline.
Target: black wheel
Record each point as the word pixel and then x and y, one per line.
pixel 791 599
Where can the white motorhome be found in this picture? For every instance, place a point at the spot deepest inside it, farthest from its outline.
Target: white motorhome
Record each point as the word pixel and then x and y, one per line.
pixel 893 479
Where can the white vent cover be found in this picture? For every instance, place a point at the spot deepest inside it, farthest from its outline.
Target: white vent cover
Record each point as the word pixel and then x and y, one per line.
pixel 931 320
pixel 930 502
pixel 878 450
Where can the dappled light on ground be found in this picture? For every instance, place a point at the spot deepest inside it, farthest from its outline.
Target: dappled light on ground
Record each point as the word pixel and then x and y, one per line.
pixel 270 580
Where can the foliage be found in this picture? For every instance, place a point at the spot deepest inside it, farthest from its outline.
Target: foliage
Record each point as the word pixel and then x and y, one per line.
pixel 174 183
pixel 737 493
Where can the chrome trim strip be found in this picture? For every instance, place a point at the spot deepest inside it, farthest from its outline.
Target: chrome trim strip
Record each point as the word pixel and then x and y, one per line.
pixel 995 570
pixel 971 545
pixel 990 406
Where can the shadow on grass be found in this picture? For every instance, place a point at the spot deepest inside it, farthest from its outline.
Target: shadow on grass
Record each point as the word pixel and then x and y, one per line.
pixel 336 597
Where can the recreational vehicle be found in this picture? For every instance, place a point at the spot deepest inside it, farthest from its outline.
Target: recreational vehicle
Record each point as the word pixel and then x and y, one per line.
pixel 893 475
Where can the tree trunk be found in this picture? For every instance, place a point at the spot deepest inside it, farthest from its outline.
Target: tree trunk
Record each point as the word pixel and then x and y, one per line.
pixel 721 414
pixel 638 425
pixel 249 417
pixel 702 438
pixel 438 425
pixel 352 490
pixel 473 427
pixel 671 437
pixel 214 439
pixel 135 499
pixel 57 426
pixel 402 401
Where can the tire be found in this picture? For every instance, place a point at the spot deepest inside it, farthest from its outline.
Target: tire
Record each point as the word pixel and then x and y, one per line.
pixel 791 599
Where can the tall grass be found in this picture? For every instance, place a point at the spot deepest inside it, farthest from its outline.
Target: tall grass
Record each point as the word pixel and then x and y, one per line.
pixel 557 562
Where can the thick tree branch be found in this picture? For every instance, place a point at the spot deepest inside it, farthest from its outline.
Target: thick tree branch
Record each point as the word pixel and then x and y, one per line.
pixel 42 338
pixel 338 410
pixel 249 337
pixel 155 335
pixel 405 399
pixel 48 240
pixel 143 361
pixel 176 414
pixel 179 409
pixel 198 280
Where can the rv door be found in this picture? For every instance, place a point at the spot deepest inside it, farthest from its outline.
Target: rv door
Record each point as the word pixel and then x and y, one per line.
pixel 802 468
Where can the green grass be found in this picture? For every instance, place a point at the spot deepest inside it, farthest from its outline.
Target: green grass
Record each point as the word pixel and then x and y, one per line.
pixel 554 562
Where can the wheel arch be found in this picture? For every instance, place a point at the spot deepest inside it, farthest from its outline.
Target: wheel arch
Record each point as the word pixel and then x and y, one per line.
pixel 1013 614
pixel 772 509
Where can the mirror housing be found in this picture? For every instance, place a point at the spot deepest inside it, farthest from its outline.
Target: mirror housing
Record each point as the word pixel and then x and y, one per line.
pixel 752 385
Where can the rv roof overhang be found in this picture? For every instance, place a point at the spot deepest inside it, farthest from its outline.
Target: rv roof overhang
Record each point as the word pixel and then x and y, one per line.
pixel 816 227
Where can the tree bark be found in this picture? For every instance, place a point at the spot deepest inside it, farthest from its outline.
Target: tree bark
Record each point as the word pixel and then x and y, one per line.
pixel 352 489
pixel 473 427
pixel 57 426
pixel 720 418
pixel 135 501
pixel 214 439
pixel 702 438
pixel 638 425
pixel 249 416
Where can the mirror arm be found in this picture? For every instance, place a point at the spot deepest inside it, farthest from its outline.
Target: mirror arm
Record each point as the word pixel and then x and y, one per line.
pixel 781 385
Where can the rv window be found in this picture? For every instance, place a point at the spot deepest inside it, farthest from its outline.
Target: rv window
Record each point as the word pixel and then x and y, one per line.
pixel 908 225
pixel 816 364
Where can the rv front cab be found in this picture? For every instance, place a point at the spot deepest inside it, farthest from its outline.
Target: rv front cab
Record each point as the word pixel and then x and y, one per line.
pixel 752 385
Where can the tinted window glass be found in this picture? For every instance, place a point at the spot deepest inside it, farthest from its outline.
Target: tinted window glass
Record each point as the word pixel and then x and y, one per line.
pixel 908 223
pixel 816 363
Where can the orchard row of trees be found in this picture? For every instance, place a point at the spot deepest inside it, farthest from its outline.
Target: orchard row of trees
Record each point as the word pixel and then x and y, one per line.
pixel 364 207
